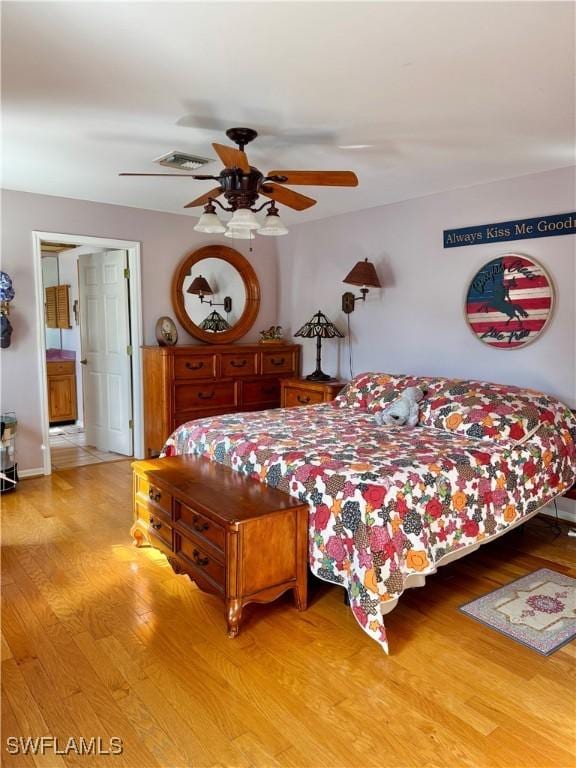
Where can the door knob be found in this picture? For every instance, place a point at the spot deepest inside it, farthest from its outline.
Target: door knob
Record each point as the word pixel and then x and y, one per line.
pixel 84 361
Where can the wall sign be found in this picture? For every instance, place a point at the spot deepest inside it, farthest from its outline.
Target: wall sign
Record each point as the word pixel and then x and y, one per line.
pixel 509 301
pixel 521 229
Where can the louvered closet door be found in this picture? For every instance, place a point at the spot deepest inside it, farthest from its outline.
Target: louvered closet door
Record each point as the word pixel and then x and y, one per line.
pixel 105 338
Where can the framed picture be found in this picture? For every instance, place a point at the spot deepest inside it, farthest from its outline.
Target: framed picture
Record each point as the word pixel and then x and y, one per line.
pixel 509 301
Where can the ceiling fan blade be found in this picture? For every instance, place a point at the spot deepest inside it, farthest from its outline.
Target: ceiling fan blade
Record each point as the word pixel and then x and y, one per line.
pixel 200 177
pixel 232 157
pixel 287 196
pixel 203 199
pixel 319 178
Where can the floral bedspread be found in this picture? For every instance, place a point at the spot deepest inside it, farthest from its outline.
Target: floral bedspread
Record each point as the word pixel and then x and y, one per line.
pixel 387 502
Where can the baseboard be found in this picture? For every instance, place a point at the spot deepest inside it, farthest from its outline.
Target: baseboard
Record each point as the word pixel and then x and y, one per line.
pixel 563 513
pixel 24 473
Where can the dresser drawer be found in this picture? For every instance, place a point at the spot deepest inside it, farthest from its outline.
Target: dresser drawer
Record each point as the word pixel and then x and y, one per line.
pixel 261 391
pixel 200 526
pixel 297 397
pixel 55 369
pixel 195 366
pixel 278 361
pixel 202 561
pixel 149 493
pixel 237 364
pixel 209 394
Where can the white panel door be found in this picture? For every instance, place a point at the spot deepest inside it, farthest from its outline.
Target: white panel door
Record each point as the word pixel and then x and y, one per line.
pixel 105 339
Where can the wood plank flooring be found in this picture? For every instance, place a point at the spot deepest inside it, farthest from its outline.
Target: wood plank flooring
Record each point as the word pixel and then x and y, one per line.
pixel 100 639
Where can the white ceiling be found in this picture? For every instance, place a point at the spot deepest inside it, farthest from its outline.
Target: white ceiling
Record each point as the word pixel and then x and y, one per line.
pixel 446 94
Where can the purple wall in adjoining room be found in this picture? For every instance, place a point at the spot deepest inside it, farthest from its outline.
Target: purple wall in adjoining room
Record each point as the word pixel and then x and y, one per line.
pixel 165 240
pixel 415 323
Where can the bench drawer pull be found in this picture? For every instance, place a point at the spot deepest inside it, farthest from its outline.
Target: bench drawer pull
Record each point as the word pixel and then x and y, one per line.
pixel 199 526
pixel 280 361
pixel 194 366
pixel 154 524
pixel 206 395
pixel 238 363
pixel 154 494
pixel 199 560
pixel 303 400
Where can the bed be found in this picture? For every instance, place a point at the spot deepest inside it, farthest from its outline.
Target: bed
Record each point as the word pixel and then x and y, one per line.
pixel 388 505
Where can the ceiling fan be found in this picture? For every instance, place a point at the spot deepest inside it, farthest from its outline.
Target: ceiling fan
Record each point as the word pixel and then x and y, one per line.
pixel 241 184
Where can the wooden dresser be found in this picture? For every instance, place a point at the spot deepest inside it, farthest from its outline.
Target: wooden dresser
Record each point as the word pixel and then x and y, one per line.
pixel 61 370
pixel 297 392
pixel 188 382
pixel 231 534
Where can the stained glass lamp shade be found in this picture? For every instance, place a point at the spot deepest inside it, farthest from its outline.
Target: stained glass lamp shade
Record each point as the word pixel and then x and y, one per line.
pixel 319 327
pixel 215 322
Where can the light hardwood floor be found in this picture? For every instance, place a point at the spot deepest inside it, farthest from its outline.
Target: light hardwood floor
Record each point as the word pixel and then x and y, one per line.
pixel 102 639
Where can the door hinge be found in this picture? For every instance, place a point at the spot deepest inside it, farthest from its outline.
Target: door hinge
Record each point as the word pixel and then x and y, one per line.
pixel 127 273
pixel 130 424
pixel 129 349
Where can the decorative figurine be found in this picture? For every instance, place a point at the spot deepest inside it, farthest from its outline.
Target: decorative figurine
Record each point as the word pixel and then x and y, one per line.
pixel 272 336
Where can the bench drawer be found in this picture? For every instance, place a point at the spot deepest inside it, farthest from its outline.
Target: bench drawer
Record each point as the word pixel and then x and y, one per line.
pixel 276 361
pixel 200 559
pixel 200 526
pixel 149 494
pixel 235 364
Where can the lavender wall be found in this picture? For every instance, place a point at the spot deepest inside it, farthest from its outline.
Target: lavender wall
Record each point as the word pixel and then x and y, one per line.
pixel 415 323
pixel 166 239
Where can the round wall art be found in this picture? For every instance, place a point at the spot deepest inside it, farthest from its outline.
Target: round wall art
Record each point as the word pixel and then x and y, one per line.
pixel 509 301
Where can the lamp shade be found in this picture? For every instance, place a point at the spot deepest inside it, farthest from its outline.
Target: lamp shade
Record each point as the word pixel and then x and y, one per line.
pixel 239 233
pixel 273 226
pixel 363 273
pixel 200 287
pixel 243 218
pixel 215 322
pixel 210 223
pixel 320 326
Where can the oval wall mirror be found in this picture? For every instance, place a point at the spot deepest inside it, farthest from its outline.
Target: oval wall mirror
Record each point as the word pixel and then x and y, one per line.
pixel 215 294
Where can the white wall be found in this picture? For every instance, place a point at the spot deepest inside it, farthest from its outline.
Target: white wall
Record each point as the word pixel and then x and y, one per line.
pixel 166 239
pixel 416 323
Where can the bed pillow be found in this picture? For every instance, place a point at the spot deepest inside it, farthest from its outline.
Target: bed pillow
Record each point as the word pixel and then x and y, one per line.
pixel 366 390
pixel 483 411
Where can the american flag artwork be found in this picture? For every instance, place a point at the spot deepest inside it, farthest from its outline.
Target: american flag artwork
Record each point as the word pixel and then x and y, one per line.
pixel 509 301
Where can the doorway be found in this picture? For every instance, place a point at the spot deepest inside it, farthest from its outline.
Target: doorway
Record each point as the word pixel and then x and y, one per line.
pixel 90 333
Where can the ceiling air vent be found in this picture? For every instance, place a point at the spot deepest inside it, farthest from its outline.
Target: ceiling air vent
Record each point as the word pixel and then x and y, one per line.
pixel 182 161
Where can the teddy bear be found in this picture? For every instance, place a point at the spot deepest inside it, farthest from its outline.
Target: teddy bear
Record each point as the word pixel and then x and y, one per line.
pixel 402 411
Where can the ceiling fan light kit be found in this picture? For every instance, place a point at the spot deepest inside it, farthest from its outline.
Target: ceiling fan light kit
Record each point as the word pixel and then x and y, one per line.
pixel 242 184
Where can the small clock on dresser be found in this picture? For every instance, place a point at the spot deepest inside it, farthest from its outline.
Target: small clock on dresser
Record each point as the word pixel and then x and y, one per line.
pixel 166 332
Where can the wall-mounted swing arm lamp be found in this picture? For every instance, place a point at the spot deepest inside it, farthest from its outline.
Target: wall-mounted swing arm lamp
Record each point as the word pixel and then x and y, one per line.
pixel 200 287
pixel 364 275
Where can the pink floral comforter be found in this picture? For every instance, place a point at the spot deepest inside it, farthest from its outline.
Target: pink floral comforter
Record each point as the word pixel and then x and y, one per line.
pixel 387 502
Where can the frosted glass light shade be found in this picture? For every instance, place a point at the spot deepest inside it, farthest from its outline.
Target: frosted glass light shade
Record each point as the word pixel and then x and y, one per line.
pixel 273 226
pixel 244 219
pixel 239 233
pixel 210 223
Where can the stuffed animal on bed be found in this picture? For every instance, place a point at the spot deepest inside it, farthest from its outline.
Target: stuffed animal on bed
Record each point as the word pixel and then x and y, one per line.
pixel 403 411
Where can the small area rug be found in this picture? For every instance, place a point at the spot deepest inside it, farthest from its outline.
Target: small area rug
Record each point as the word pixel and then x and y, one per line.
pixel 538 610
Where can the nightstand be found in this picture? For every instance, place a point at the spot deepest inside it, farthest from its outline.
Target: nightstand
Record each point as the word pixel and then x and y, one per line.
pixel 296 392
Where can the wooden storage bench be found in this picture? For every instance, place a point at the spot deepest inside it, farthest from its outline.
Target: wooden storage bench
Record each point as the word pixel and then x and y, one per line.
pixel 230 534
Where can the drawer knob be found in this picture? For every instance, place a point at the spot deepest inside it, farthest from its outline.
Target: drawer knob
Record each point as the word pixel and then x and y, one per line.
pixel 198 525
pixel 155 524
pixel 194 366
pixel 154 494
pixel 198 559
pixel 206 395
pixel 279 361
pixel 303 400
pixel 238 363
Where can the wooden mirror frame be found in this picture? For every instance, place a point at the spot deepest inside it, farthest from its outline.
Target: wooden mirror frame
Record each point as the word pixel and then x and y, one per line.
pixel 251 285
